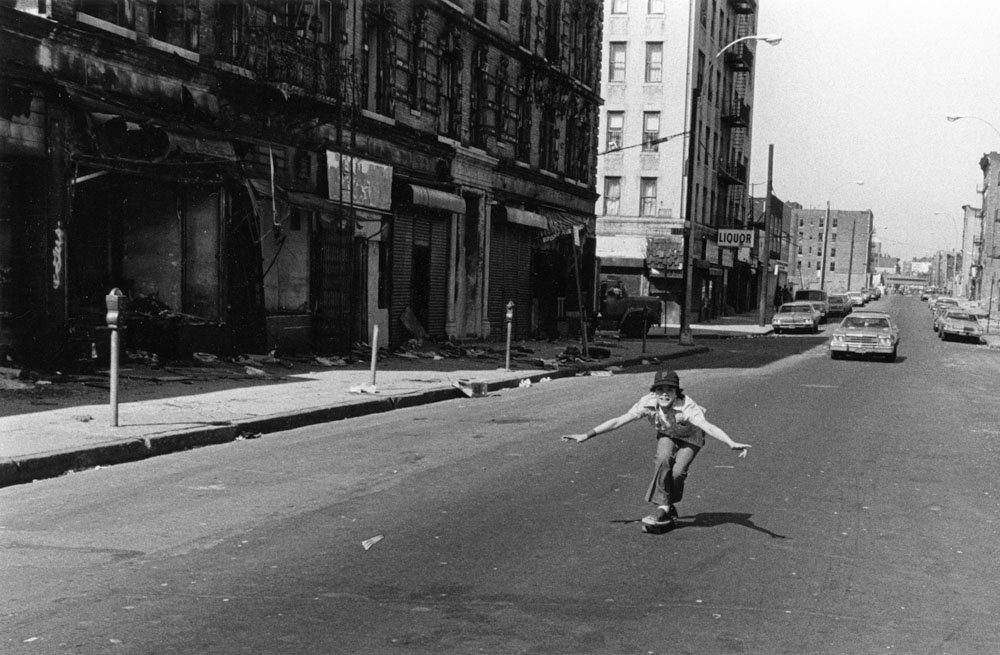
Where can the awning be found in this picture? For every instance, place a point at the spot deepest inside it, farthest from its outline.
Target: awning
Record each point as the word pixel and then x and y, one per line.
pixel 433 198
pixel 521 217
pixel 308 201
pixel 665 254
pixel 561 223
pixel 135 139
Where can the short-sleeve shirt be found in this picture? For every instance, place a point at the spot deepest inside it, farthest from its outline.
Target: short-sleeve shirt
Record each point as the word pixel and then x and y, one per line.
pixel 674 422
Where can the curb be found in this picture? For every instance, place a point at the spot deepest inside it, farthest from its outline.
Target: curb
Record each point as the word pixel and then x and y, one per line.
pixel 55 464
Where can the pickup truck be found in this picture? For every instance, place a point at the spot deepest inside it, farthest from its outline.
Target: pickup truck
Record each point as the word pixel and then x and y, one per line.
pixel 630 316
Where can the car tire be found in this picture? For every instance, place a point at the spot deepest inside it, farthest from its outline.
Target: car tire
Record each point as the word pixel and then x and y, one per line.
pixel 891 357
pixel 836 355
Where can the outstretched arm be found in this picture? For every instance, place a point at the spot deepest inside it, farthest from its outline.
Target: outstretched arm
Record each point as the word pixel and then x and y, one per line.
pixel 607 426
pixel 716 432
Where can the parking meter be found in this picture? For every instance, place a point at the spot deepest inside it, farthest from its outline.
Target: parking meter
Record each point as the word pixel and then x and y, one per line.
pixel 510 321
pixel 116 302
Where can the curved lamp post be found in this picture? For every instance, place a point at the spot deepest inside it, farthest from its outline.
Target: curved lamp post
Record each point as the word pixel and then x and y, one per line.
pixel 770 39
pixel 826 233
pixel 957 117
pixel 684 334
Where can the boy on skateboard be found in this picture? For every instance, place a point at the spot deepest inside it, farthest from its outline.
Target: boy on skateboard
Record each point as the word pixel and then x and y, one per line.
pixel 681 427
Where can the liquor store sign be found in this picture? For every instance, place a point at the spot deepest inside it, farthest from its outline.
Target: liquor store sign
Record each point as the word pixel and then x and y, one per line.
pixel 735 238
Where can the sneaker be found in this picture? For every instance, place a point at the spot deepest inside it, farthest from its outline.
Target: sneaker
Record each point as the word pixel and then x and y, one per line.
pixel 660 517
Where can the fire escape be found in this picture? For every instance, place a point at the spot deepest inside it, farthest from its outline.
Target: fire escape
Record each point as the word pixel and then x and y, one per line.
pixel 732 165
pixel 292 47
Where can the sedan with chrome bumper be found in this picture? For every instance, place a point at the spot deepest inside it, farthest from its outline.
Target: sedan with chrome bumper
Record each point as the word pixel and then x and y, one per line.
pixel 959 324
pixel 865 333
pixel 797 315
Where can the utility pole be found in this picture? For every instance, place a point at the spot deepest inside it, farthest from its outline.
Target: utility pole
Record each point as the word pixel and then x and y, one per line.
pixel 764 248
pixel 850 262
pixel 826 237
pixel 685 337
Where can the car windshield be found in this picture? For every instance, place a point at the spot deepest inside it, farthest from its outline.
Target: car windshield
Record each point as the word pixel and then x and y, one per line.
pixel 797 309
pixel 865 322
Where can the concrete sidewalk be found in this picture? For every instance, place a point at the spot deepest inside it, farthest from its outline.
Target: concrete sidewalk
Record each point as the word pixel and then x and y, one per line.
pixel 70 437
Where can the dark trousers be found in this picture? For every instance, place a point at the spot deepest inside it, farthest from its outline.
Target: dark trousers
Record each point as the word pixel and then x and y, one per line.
pixel 673 457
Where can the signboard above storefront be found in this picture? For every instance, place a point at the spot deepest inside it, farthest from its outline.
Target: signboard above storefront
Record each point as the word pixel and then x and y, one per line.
pixel 735 238
pixel 361 182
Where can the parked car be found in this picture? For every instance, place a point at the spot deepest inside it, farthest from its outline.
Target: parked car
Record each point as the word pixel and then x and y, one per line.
pixel 959 324
pixel 857 298
pixel 840 305
pixel 865 333
pixel 814 295
pixel 938 302
pixel 796 315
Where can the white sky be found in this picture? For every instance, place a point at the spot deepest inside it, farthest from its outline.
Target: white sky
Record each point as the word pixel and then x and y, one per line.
pixel 859 90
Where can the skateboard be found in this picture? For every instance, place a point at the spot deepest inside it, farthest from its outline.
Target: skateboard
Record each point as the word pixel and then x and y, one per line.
pixel 658 528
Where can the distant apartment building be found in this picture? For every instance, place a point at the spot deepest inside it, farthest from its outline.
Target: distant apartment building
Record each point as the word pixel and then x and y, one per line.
pixel 655 54
pixel 834 256
pixel 969 282
pixel 988 270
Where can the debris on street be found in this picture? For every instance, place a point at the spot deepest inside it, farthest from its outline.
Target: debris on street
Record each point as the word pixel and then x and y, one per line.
pixel 368 543
pixel 471 388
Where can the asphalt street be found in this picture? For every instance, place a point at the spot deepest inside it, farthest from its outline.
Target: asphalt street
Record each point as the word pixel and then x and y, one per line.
pixel 863 521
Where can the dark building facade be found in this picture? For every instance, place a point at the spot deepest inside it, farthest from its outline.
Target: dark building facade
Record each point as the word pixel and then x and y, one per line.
pixel 257 175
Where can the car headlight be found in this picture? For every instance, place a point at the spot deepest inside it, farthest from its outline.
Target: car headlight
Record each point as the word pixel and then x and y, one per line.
pixel 838 338
pixel 884 339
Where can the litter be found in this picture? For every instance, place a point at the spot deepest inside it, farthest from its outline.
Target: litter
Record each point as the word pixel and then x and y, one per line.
pixel 524 384
pixel 205 358
pixel 256 372
pixel 363 388
pixel 368 543
pixel 600 374
pixel 471 388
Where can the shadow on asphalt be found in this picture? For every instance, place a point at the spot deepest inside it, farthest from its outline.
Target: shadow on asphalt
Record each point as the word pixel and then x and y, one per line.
pixel 735 353
pixel 715 519
pixel 712 520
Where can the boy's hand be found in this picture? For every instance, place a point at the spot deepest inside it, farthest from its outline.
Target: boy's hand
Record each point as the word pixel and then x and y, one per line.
pixel 574 437
pixel 742 447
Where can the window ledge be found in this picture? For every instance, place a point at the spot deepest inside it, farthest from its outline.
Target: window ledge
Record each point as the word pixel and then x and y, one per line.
pixel 93 21
pixel 367 113
pixel 234 69
pixel 185 53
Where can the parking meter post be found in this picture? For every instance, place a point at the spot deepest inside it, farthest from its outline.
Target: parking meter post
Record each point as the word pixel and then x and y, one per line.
pixel 510 322
pixel 374 352
pixel 115 302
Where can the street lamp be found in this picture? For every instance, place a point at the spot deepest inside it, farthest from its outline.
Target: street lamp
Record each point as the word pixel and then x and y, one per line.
pixel 826 233
pixel 770 39
pixel 957 117
pixel 684 335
